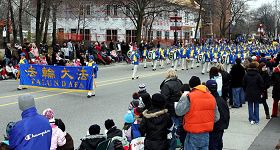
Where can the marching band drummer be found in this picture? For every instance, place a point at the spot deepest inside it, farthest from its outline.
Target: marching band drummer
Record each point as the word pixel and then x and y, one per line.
pixel 94 66
pixel 135 61
pixel 22 61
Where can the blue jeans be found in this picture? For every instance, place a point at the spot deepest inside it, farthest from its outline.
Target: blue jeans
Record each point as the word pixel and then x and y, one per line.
pixel 253 108
pixel 238 96
pixel 196 141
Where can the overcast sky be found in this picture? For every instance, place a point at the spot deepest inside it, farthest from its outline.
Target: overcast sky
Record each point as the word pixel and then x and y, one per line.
pixel 257 3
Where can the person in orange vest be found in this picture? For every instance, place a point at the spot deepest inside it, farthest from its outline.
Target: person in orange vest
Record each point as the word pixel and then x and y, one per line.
pixel 200 112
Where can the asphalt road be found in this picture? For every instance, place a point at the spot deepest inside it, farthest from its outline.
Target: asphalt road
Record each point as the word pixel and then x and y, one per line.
pixel 113 94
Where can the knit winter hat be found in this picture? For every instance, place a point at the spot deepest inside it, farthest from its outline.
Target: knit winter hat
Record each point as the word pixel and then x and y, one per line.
pixel 128 117
pixel 109 123
pixel 212 85
pixel 142 87
pixel 194 81
pixel 25 102
pixel 158 100
pixel 94 129
pixel 49 114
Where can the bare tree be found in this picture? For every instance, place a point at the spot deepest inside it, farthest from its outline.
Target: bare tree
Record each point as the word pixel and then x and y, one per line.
pixel 139 9
pixel 38 18
pixel 11 9
pixel 20 22
pixel 45 37
pixel 228 11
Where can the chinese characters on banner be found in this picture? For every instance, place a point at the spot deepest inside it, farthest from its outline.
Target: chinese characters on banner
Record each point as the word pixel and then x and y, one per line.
pixel 80 78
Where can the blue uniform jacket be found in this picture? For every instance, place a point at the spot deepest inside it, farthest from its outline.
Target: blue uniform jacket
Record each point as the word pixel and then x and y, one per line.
pixel 135 58
pixel 32 132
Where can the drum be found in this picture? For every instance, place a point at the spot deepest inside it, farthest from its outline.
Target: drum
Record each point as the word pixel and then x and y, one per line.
pixel 129 54
pixel 171 54
pixel 150 55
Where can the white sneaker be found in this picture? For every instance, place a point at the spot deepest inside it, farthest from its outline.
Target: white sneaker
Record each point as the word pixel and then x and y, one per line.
pixel 252 122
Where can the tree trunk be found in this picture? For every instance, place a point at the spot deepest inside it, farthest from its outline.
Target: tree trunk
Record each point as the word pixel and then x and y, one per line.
pixel 38 17
pixel 20 22
pixel 43 18
pixel 150 29
pixel 198 19
pixel 54 23
pixel 139 28
pixel 8 24
pixel 13 22
pixel 45 38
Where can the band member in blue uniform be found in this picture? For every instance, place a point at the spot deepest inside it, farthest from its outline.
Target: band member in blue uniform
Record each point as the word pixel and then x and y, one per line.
pixel 184 64
pixel 145 56
pixel 155 57
pixel 208 57
pixel 135 61
pixel 94 66
pixel 161 57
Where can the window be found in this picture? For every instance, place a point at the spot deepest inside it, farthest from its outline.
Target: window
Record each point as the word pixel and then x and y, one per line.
pixel 151 35
pixel 61 30
pixel 187 35
pixel 159 34
pixel 88 9
pixel 73 30
pixel 115 10
pixel 112 35
pixel 130 36
pixel 166 35
pixel 108 10
pixel 86 34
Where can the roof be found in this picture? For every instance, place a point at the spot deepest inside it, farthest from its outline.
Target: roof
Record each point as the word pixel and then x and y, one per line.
pixel 188 3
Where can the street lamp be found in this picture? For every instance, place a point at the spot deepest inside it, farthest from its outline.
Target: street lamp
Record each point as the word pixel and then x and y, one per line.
pixel 4 36
pixel 175 33
pixel 260 31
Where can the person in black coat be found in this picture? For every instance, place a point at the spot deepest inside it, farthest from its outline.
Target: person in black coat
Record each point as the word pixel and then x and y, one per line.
pixel 253 85
pixel 266 78
pixel 155 124
pixel 216 136
pixel 112 129
pixel 237 74
pixel 275 79
pixel 90 142
pixel 170 89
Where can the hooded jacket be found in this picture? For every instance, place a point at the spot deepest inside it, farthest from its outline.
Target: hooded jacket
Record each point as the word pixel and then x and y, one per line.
pixel 170 88
pixel 114 132
pixel 32 132
pixel 253 85
pixel 91 142
pixel 154 127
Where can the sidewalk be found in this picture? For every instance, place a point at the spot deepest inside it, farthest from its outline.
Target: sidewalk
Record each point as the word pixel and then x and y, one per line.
pixel 241 134
pixel 269 137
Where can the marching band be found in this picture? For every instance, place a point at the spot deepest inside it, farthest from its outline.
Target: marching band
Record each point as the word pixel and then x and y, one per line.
pixel 206 56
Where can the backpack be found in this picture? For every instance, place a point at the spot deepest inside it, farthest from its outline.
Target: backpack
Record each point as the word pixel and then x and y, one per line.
pixel 135 133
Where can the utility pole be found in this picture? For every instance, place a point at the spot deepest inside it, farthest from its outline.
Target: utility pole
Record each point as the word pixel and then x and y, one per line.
pixel 275 20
